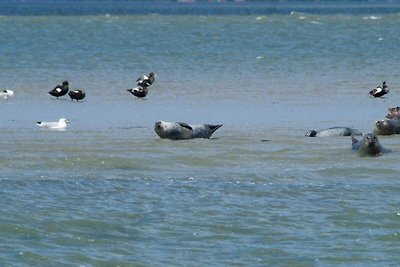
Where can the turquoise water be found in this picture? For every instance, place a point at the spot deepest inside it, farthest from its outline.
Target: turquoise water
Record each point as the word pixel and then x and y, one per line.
pixel 108 192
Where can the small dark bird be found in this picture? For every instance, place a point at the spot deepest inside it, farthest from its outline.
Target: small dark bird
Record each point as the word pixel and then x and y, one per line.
pixel 139 91
pixel 146 80
pixel 60 90
pixel 380 90
pixel 77 95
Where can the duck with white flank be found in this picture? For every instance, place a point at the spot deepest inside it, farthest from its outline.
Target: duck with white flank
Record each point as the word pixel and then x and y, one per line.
pixel 6 94
pixel 61 124
pixel 146 80
pixel 60 90
pixel 139 91
pixel 77 95
pixel 380 91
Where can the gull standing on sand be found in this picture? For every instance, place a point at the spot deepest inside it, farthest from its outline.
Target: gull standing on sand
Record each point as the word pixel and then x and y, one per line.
pixel 6 94
pixel 58 125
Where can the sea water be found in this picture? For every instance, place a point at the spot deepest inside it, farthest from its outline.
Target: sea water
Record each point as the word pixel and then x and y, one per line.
pixel 109 192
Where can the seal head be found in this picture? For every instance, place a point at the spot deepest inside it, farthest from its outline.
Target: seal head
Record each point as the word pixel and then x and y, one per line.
pixel 387 127
pixel 368 146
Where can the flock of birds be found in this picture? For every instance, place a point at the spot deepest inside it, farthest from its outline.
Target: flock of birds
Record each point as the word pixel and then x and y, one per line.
pixel 178 130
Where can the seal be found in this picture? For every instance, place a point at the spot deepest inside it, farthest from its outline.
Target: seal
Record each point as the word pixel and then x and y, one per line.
pixel 380 90
pixel 333 131
pixel 368 146
pixel 393 113
pixel 60 90
pixel 182 131
pixel 387 127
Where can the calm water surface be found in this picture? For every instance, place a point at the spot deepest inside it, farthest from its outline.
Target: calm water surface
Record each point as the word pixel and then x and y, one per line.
pixel 109 192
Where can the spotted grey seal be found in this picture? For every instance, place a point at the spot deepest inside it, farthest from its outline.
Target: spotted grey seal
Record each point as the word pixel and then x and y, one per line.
pixel 181 131
pixel 333 131
pixel 393 113
pixel 369 145
pixel 387 127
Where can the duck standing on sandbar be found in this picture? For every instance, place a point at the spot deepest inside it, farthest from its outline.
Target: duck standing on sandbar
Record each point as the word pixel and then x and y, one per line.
pixel 380 91
pixel 77 95
pixel 60 90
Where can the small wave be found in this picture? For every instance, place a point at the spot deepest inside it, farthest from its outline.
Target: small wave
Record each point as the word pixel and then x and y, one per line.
pixel 372 17
pixel 315 22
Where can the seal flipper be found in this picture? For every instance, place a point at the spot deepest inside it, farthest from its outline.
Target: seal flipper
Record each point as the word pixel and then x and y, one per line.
pixel 185 125
pixel 311 133
pixel 213 128
pixel 353 140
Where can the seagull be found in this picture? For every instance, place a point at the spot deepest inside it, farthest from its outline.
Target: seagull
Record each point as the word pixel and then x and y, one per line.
pixel 139 91
pixel 58 125
pixel 6 94
pixel 146 80
pixel 380 91
pixel 77 95
pixel 60 90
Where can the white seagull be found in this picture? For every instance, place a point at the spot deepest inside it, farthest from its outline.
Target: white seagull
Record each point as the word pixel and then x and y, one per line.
pixel 6 94
pixel 58 125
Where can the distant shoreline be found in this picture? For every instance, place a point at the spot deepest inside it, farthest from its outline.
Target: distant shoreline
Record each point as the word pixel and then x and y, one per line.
pixel 133 7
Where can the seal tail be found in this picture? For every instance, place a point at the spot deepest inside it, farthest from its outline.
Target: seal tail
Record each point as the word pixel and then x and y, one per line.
pixel 213 128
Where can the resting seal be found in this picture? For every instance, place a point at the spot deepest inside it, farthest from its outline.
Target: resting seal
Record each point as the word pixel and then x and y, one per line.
pixel 333 131
pixel 181 131
pixel 393 113
pixel 368 146
pixel 387 127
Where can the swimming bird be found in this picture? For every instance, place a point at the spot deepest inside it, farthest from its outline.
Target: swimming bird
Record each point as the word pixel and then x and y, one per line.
pixel 139 91
pixel 6 94
pixel 77 95
pixel 61 124
pixel 380 91
pixel 146 80
pixel 60 90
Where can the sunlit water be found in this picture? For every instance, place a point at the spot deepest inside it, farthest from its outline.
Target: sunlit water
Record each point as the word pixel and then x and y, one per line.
pixel 109 192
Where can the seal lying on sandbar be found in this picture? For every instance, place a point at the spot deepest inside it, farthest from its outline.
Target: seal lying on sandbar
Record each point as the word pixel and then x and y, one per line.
pixel 387 127
pixel 369 145
pixel 333 131
pixel 393 113
pixel 181 131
